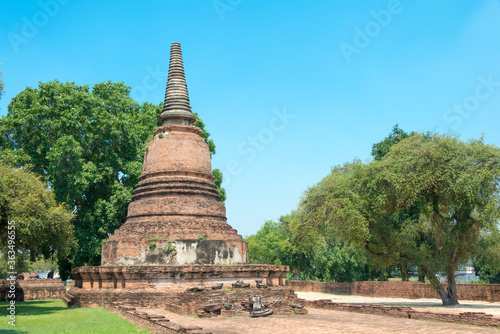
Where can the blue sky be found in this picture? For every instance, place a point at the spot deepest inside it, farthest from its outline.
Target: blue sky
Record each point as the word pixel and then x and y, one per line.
pixel 287 89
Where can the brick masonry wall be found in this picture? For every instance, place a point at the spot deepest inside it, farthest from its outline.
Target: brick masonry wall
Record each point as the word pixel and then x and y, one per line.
pixel 34 289
pixel 480 292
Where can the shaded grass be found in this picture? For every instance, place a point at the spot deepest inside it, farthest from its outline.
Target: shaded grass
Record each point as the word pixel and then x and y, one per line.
pixel 52 316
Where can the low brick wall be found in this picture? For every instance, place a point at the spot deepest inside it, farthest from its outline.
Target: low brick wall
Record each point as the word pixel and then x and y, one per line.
pixel 34 289
pixel 411 290
pixel 153 323
pixel 471 318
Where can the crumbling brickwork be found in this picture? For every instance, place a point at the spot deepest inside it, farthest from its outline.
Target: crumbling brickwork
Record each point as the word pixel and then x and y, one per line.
pixel 175 199
pixel 34 289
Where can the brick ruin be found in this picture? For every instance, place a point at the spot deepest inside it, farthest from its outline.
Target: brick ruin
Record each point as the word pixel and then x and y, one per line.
pixel 33 289
pixel 176 216
pixel 176 235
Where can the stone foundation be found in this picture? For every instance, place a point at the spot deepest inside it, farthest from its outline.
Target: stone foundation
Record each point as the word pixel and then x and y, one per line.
pixel 150 285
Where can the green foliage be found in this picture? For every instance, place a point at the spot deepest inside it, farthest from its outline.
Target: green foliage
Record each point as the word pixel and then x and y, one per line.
pixel 202 237
pixel 170 247
pixel 88 146
pixel 336 262
pixel 217 174
pixel 152 245
pixel 42 227
pixel 53 317
pixel 430 201
pixel 161 135
pixel 156 239
pixel 326 260
pixel 380 149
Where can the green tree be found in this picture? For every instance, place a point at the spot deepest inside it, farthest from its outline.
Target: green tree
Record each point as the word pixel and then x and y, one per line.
pixel 88 145
pixel 327 260
pixel 272 244
pixel 430 201
pixel 380 149
pixel 334 261
pixel 32 223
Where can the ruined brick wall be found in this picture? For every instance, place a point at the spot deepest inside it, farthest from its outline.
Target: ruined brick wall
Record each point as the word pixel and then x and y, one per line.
pixel 277 299
pixel 412 290
pixel 34 289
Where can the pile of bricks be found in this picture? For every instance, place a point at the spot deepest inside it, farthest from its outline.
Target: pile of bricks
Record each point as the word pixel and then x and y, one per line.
pixel 236 301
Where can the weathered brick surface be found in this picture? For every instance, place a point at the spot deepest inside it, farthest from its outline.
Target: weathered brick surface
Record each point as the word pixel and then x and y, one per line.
pixel 174 278
pixel 34 289
pixel 412 290
pixel 277 299
pixel 471 318
pixel 153 323
pixel 175 199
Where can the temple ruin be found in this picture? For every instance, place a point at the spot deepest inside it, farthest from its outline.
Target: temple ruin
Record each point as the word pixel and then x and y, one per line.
pixel 176 235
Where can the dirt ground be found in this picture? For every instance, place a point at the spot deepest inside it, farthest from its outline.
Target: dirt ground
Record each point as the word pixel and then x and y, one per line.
pixel 327 321
pixel 418 304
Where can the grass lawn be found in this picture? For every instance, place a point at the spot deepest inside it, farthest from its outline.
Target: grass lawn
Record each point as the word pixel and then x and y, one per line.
pixel 52 316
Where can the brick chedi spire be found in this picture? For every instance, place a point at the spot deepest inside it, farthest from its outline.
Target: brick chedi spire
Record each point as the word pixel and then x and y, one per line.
pixel 175 216
pixel 176 109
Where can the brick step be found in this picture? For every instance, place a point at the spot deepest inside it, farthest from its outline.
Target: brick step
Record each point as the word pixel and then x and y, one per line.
pixel 69 300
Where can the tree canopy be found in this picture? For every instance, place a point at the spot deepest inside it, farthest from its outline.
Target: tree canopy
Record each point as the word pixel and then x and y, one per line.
pixel 88 145
pixel 327 260
pixel 32 223
pixel 429 201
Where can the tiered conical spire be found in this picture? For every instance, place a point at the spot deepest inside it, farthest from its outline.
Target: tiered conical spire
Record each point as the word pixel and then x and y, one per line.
pixel 177 104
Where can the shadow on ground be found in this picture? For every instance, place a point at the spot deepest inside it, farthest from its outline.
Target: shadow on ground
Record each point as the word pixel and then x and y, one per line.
pixel 34 307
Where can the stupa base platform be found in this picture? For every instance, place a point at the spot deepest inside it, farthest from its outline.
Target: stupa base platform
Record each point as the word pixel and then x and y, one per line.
pixel 152 285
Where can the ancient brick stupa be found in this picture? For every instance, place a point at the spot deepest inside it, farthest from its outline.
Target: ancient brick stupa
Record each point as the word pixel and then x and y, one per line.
pixel 176 234
pixel 176 200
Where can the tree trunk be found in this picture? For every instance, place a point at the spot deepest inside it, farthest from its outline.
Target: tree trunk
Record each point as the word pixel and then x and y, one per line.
pixel 448 296
pixel 452 287
pixel 404 273
pixel 421 275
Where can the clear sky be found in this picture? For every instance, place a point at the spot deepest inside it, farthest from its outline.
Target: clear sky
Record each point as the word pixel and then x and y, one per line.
pixel 287 89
